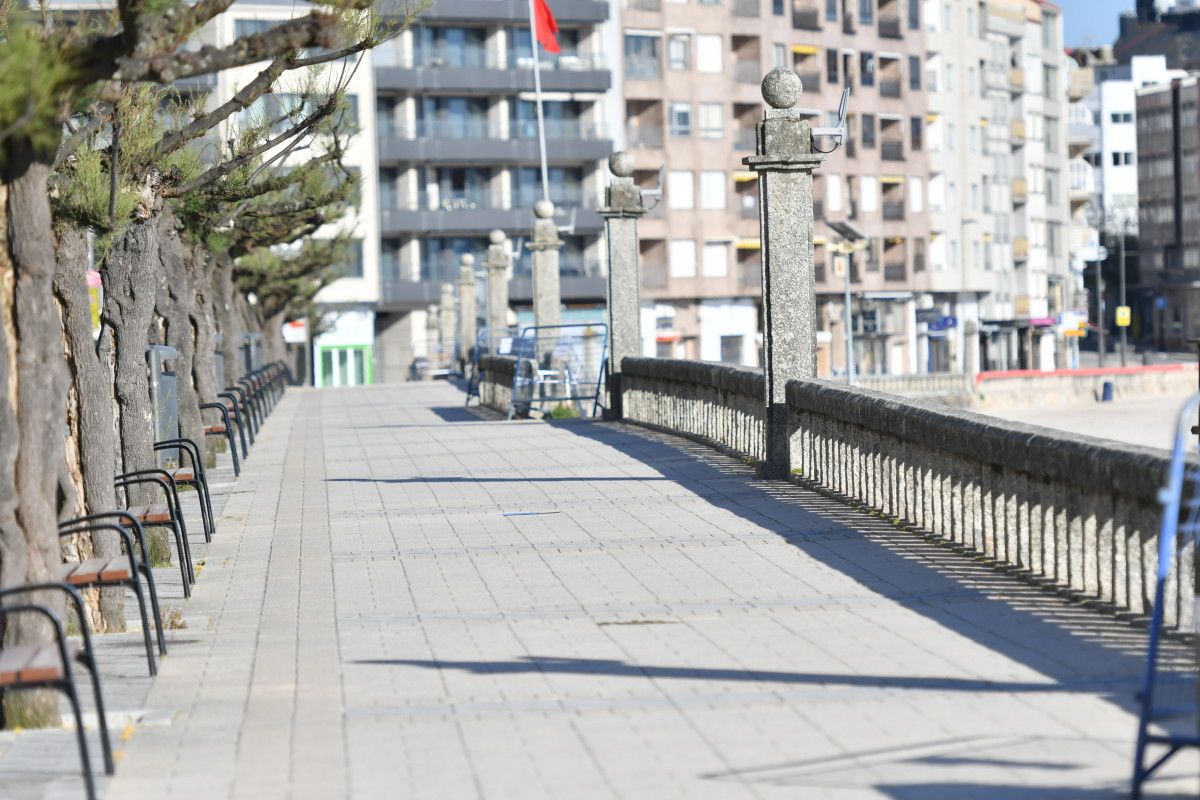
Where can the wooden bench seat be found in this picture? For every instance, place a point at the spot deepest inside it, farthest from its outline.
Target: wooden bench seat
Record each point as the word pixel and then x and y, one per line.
pixel 92 570
pixel 31 663
pixel 182 474
pixel 156 512
pixel 214 430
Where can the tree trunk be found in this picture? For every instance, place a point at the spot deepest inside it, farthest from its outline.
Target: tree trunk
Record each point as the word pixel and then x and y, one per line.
pixel 92 436
pixel 29 550
pixel 227 322
pixel 200 311
pixel 272 338
pixel 132 274
pixel 173 304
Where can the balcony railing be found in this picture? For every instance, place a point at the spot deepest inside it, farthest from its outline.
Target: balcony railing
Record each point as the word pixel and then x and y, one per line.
pixel 644 137
pixel 747 72
pixel 745 140
pixel 1017 130
pixel 895 270
pixel 746 8
pixel 749 206
pixel 1016 79
pixel 889 88
pixel 805 17
pixel 892 149
pixel 889 27
pixel 750 275
pixel 893 210
pixel 646 5
pixel 563 196
pixel 1020 191
pixel 918 262
pixel 851 147
pixel 555 129
pixel 1020 249
pixel 810 79
pixel 654 275
pixel 643 68
pixel 452 57
pixel 450 128
pixel 852 208
pixel 818 209
pixel 848 25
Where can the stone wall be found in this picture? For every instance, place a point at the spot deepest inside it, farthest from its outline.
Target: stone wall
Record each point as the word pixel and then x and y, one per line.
pixel 496 381
pixel 1024 388
pixel 1078 513
pixel 719 404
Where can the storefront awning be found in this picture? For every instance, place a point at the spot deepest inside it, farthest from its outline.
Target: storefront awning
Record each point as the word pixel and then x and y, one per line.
pixel 805 49
pixel 749 244
pixel 744 177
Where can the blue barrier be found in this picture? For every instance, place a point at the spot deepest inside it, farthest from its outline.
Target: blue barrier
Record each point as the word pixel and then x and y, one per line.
pixel 1169 717
pixel 488 342
pixel 559 366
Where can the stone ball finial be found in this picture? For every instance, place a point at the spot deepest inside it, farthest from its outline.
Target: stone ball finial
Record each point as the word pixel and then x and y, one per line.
pixel 620 164
pixel 543 209
pixel 467 260
pixel 496 236
pixel 781 88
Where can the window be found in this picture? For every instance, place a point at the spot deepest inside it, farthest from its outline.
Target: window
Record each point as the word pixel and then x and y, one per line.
pixel 868 194
pixel 712 122
pixel 868 130
pixel 642 57
pixel 833 192
pixel 949 77
pixel 351 265
pixel 777 7
pixel 947 18
pixel 779 56
pixel 731 349
pixel 951 137
pixel 1049 30
pixel 831 10
pixel 251 27
pixel 682 254
pixel 680 119
pixel 914 73
pixel 715 260
pixel 915 127
pixel 1121 118
pixel 916 195
pixel 866 63
pixel 914 14
pixel 708 53
pixel 1049 80
pixel 866 12
pixel 712 189
pixel 679 51
pixel 681 189
pixel 970 21
pixel 831 66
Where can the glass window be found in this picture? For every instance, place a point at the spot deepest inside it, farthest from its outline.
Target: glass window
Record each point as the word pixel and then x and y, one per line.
pixel 641 57
pixel 914 73
pixel 915 129
pixel 866 12
pixel 681 189
pixel 731 348
pixel 831 10
pixel 712 122
pixel 831 66
pixel 351 265
pixel 866 63
pixel 715 260
pixel 914 14
pixel 680 119
pixel 708 53
pixel 683 258
pixel 679 51
pixel 868 130
pixel 250 27
pixel 712 189
pixel 779 56
pixel 777 7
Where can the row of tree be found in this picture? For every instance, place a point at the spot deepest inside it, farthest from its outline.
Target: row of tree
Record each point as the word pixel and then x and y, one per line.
pixel 199 217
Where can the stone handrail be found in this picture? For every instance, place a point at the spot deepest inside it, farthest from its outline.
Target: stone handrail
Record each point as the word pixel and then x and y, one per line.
pixel 719 404
pixel 496 381
pixel 1078 513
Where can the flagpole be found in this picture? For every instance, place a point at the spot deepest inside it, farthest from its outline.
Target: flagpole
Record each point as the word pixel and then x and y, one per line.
pixel 537 89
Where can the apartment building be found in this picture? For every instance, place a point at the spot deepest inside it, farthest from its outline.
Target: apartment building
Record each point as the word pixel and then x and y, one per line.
pixel 1168 164
pixel 953 165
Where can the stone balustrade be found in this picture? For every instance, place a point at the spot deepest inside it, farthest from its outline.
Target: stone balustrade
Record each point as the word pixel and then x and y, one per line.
pixel 1077 513
pixel 496 382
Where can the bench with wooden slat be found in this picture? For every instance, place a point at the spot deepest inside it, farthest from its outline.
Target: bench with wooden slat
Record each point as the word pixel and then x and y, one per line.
pixel 80 573
pixel 117 569
pixel 157 512
pixel 214 429
pixel 12 659
pixel 31 663
pixel 182 474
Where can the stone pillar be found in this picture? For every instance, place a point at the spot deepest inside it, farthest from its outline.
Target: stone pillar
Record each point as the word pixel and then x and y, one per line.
pixel 431 336
pixel 785 161
pixel 498 264
pixel 623 207
pixel 466 308
pixel 446 317
pixel 971 348
pixel 547 299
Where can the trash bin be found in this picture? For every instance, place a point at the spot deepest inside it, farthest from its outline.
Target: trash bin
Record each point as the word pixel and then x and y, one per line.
pixel 164 400
pixel 1106 392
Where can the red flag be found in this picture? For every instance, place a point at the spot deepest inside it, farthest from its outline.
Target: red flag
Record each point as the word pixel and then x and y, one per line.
pixel 546 26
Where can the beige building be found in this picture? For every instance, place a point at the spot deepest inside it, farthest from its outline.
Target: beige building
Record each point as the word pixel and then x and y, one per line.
pixel 953 166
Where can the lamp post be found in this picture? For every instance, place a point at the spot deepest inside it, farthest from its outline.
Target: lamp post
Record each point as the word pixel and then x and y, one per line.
pixel 852 240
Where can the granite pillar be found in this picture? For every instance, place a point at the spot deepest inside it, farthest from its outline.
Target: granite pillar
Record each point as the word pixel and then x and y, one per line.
pixel 447 314
pixel 499 265
pixel 466 307
pixel 784 160
pixel 623 207
pixel 547 298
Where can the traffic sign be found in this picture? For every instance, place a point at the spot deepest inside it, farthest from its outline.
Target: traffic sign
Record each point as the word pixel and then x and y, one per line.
pixel 1122 316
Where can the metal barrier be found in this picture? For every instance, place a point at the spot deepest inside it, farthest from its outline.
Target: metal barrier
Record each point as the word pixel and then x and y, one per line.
pixel 1169 694
pixel 488 342
pixel 164 400
pixel 559 366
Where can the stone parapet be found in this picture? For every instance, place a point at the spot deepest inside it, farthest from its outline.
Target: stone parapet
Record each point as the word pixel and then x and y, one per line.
pixel 496 381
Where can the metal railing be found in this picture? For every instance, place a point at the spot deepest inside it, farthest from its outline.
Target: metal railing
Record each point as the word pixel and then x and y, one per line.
pixel 643 68
pixel 889 88
pixel 895 271
pixel 646 5
pixel 892 149
pixel 644 137
pixel 745 140
pixel 654 275
pixel 806 18
pixel 810 79
pixel 747 72
pixel 746 8
pixel 893 210
pixel 889 27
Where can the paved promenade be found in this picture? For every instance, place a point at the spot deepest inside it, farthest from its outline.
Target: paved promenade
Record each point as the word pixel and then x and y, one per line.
pixel 406 600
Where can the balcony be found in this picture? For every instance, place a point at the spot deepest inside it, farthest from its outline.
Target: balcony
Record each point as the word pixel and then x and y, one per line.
pixel 893 210
pixel 642 68
pixel 471 70
pixel 400 295
pixel 745 140
pixel 746 8
pixel 1016 80
pixel 818 209
pixel 571 12
pixel 1020 191
pixel 895 270
pixel 1017 132
pixel 644 137
pixel 750 276
pixel 848 25
pixel 1020 249
pixel 892 149
pixel 645 5
pixel 806 16
pixel 1080 83
pixel 852 208
pixel 851 147
pixel 748 72
pixel 889 27
pixel 810 79
pixel 467 141
pixel 748 206
pixel 889 88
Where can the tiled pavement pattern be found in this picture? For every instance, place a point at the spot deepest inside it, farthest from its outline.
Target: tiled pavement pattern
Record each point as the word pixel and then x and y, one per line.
pixel 408 601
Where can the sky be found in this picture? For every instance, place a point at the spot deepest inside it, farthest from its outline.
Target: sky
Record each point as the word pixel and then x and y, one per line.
pixel 1091 22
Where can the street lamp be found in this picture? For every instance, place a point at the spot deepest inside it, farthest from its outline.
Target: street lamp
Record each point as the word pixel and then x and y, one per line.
pixel 853 239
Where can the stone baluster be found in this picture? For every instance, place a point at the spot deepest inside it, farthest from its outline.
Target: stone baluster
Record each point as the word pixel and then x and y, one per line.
pixel 623 208
pixel 784 160
pixel 466 307
pixel 547 299
pixel 499 265
pixel 431 336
